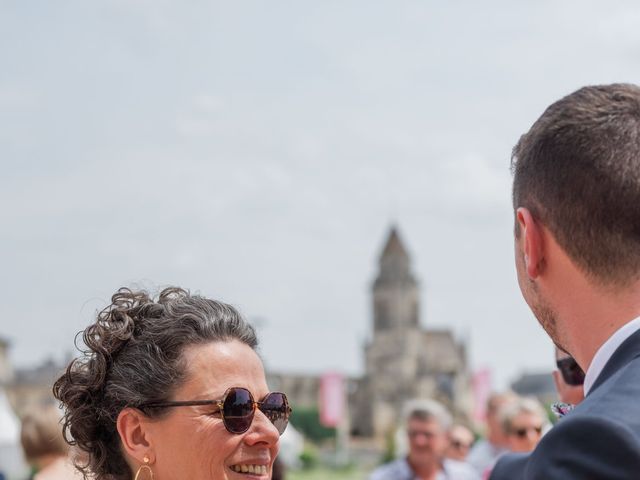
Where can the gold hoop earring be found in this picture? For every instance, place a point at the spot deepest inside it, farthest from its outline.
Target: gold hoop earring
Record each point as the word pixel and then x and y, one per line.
pixel 146 468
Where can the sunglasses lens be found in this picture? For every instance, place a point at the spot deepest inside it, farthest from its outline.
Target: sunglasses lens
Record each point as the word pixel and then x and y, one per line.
pixel 571 371
pixel 276 408
pixel 459 445
pixel 523 432
pixel 237 410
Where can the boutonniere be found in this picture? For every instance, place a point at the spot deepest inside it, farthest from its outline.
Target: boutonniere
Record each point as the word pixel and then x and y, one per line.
pixel 561 409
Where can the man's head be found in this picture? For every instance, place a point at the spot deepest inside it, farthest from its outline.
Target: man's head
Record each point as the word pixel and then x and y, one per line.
pixel 495 404
pixel 577 174
pixel 428 423
pixel 523 423
pixel 460 441
pixel 569 378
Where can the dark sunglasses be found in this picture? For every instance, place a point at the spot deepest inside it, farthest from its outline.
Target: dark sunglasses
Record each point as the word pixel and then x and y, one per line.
pixel 571 371
pixel 522 432
pixel 238 408
pixel 460 445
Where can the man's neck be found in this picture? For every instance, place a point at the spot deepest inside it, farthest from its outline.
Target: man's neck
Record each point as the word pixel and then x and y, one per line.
pixel 424 470
pixel 594 317
pixel 585 312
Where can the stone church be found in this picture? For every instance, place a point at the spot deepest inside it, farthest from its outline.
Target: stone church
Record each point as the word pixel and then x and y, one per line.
pixel 403 360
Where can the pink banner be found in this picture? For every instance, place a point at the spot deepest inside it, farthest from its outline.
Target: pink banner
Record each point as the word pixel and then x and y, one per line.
pixel 332 399
pixel 481 383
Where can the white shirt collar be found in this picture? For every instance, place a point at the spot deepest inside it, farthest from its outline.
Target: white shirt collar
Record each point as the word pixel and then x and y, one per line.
pixel 606 350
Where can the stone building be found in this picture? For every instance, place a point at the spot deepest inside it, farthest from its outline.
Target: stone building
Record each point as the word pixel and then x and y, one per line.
pixel 29 387
pixel 32 387
pixel 539 385
pixel 403 360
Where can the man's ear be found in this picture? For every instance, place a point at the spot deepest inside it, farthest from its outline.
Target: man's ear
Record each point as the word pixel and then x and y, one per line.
pixel 135 436
pixel 531 242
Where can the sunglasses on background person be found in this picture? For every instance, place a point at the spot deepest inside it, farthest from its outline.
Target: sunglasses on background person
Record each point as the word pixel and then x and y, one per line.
pixel 522 432
pixel 237 409
pixel 460 445
pixel 571 371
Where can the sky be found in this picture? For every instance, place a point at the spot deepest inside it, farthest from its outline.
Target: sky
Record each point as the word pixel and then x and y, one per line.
pixel 258 152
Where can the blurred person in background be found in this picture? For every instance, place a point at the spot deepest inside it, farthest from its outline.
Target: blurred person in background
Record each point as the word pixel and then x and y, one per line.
pixel 427 424
pixel 523 423
pixel 569 378
pixel 485 451
pixel 44 445
pixel 460 441
pixel 171 388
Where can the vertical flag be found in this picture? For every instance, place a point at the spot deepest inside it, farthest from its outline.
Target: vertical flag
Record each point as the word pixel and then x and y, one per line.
pixel 481 383
pixel 332 399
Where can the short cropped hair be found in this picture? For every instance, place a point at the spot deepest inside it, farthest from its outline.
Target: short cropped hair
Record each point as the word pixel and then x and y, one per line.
pixel 496 401
pixel 578 171
pixel 427 409
pixel 41 434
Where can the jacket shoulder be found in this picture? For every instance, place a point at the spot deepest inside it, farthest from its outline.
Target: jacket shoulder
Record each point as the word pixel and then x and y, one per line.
pixel 586 446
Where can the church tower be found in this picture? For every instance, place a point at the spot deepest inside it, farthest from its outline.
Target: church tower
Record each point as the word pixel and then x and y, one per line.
pixel 395 290
pixel 402 359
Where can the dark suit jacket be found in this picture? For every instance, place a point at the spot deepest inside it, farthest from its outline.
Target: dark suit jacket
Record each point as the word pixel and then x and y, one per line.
pixel 599 439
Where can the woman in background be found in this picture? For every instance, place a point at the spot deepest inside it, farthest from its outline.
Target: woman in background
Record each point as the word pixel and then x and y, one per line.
pixel 524 422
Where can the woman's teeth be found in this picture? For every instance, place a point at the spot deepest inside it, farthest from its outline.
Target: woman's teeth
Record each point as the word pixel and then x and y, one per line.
pixel 255 469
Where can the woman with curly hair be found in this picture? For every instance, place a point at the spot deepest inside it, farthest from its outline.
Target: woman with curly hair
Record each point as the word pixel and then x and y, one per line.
pixel 171 389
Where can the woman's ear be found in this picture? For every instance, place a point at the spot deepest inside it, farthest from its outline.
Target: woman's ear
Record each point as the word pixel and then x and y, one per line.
pixel 135 436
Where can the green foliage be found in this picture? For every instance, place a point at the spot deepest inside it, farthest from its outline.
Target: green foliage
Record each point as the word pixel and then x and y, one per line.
pixel 307 421
pixel 326 474
pixel 309 457
pixel 389 448
pixel 550 415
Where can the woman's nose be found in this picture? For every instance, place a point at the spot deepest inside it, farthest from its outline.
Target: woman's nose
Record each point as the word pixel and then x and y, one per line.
pixel 262 430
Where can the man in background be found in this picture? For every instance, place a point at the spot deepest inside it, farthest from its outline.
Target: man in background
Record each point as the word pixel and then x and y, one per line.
pixel 486 451
pixel 569 378
pixel 576 197
pixel 460 441
pixel 427 423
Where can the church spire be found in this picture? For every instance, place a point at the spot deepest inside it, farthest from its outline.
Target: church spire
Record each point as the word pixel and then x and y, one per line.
pixel 395 290
pixel 394 261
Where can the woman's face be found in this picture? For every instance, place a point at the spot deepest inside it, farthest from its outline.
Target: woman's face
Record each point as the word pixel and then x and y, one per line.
pixel 526 431
pixel 191 442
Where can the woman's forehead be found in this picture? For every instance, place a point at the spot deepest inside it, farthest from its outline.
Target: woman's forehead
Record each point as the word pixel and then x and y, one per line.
pixel 214 367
